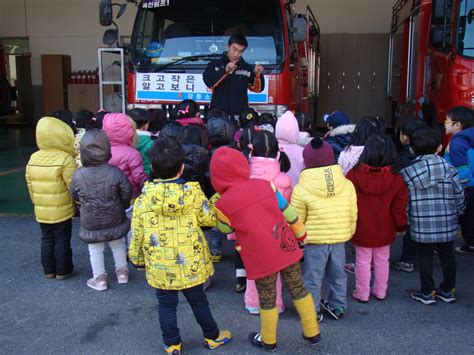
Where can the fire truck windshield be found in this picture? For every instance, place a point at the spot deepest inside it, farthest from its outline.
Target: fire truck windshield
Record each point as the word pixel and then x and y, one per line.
pixel 465 33
pixel 166 33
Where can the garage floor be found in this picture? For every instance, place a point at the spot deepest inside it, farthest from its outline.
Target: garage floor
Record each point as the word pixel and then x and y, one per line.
pixel 17 143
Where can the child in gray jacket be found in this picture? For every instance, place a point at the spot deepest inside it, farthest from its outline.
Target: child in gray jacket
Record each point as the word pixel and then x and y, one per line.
pixel 104 193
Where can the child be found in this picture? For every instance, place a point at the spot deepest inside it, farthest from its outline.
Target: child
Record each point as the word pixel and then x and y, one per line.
pixel 349 157
pixel 406 156
pixel 220 131
pixel 119 129
pixel 187 112
pixel 436 202
pixel 48 176
pixel 382 197
pixel 460 154
pixel 287 133
pixel 340 131
pixel 167 220
pixel 156 121
pixel 104 193
pixel 267 163
pixel 326 203
pixel 85 121
pixel 141 119
pixel 193 139
pixel 260 218
pixel 267 122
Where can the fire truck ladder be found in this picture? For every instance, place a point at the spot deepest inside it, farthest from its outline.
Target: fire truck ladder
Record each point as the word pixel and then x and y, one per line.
pixel 102 82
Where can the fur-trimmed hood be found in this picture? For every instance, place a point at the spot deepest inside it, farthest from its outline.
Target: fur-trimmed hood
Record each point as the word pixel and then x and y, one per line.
pixel 344 129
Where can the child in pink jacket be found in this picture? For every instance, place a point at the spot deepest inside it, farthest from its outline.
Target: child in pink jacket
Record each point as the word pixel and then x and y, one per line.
pixel 287 132
pixel 267 163
pixel 119 128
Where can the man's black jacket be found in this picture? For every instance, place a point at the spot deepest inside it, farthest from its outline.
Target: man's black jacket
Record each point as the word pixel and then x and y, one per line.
pixel 230 90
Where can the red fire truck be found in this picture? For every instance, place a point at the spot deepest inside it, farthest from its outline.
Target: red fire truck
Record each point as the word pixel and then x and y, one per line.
pixel 431 59
pixel 173 40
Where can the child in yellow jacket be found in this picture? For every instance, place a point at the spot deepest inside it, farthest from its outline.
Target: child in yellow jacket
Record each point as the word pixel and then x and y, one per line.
pixel 168 242
pixel 48 176
pixel 326 203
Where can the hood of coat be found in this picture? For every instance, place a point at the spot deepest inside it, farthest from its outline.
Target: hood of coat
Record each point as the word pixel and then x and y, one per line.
pixel 95 148
pixel 372 181
pixel 341 130
pixel 466 134
pixel 324 182
pixel 287 130
pixel 166 197
pixel 427 171
pixel 118 127
pixel 353 153
pixel 264 168
pixel 228 168
pixel 54 134
pixel 220 131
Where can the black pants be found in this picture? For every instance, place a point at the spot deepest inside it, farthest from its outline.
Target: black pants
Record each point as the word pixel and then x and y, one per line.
pixel 56 253
pixel 167 306
pixel 467 221
pixel 408 249
pixel 448 265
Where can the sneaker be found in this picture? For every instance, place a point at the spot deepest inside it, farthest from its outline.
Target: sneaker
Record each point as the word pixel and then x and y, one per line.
pixel 256 340
pixel 224 337
pixel 403 266
pixel 215 258
pixel 357 297
pixel 99 283
pixel 444 296
pixel 316 340
pixel 50 276
pixel 252 310
pixel 173 349
pixel 350 268
pixel 240 288
pixel 465 249
pixel 122 275
pixel 336 313
pixel 319 316
pixel 64 277
pixel 424 298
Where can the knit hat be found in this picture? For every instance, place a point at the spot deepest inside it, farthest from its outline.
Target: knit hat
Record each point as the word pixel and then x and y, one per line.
pixel 318 153
pixel 336 119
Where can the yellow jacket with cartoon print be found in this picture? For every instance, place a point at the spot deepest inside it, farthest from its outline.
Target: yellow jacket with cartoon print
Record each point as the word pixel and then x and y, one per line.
pixel 49 171
pixel 326 203
pixel 166 234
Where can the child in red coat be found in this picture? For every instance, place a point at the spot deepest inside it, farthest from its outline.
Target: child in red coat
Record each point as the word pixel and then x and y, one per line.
pixel 268 231
pixel 381 201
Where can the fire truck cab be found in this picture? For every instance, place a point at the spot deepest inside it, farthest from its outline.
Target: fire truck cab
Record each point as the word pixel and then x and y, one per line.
pixel 173 41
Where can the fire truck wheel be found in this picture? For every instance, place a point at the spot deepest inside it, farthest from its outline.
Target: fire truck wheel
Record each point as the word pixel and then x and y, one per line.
pixel 5 96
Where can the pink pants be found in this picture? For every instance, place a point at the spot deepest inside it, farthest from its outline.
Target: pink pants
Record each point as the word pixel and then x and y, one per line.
pixel 251 295
pixel 364 257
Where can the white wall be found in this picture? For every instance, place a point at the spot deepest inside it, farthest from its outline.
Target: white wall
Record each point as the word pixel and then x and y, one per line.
pixel 72 26
pixel 59 27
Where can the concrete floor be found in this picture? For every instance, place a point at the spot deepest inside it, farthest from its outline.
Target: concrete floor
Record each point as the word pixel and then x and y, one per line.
pixel 17 143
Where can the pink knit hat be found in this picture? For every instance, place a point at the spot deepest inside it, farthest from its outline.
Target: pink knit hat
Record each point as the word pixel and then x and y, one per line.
pixel 318 153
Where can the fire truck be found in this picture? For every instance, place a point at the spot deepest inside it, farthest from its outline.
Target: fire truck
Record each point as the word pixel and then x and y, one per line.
pixel 173 41
pixel 431 58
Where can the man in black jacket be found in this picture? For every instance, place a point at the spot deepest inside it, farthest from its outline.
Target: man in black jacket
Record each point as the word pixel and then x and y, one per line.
pixel 229 78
